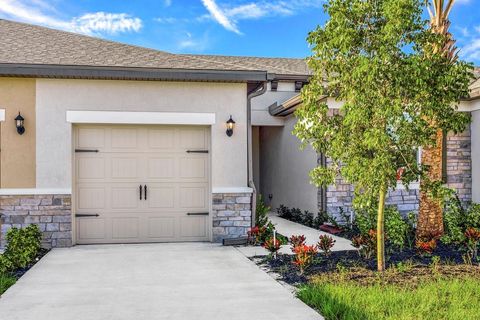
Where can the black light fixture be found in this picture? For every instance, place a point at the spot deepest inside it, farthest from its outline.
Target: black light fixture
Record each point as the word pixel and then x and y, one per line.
pixel 19 120
pixel 230 126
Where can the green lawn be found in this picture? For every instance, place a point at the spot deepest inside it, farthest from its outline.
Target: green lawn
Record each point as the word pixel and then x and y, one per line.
pixel 434 299
pixel 6 282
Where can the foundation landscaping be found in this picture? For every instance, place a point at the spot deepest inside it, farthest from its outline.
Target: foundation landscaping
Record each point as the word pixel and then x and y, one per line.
pixel 432 278
pixel 22 251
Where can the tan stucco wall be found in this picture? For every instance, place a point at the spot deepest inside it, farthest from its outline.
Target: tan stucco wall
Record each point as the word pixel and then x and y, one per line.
pixel 54 134
pixel 17 168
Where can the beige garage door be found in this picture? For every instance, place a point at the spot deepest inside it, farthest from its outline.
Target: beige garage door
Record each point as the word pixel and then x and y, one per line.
pixel 141 184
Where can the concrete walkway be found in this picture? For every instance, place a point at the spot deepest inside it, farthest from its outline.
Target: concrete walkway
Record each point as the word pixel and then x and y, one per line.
pixel 183 281
pixel 289 228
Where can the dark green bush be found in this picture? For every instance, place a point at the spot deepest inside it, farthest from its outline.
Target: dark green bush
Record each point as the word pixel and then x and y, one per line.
pixel 22 247
pixel 261 218
pixel 457 219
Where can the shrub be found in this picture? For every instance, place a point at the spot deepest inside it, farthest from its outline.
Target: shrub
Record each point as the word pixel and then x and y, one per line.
pixel 297 241
pixel 457 219
pixel 472 237
pixel 367 244
pixel 320 219
pixel 255 235
pixel 5 265
pixel 396 228
pixel 325 244
pixel 22 246
pixel 261 218
pixel 284 212
pixel 304 256
pixel 272 246
pixel 426 246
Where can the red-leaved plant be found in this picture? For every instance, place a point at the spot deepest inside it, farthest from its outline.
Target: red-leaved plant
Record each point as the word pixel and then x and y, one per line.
pixel 426 246
pixel 255 234
pixel 272 246
pixel 296 241
pixel 325 244
pixel 472 240
pixel 304 256
pixel 367 244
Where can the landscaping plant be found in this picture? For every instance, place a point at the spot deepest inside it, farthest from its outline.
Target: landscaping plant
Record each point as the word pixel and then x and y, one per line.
pixel 296 241
pixel 304 256
pixel 379 59
pixel 23 245
pixel 261 213
pixel 472 241
pixel 255 235
pixel 272 246
pixel 325 244
pixel 426 246
pixel 366 244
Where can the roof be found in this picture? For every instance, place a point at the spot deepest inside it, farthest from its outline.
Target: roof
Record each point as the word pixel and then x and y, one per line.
pixel 26 44
pixel 475 86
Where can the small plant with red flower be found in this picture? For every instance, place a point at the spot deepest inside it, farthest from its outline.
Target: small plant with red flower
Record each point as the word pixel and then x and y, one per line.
pixel 325 244
pixel 255 235
pixel 296 241
pixel 304 256
pixel 271 245
pixel 426 247
pixel 366 244
pixel 472 240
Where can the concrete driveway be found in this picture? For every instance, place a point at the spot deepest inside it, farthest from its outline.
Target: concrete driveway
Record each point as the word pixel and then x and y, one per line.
pixel 149 281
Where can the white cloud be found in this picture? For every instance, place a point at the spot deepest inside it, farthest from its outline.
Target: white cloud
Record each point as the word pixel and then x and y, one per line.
pixel 228 16
pixel 167 3
pixel 102 22
pixel 40 12
pixel 219 15
pixel 469 44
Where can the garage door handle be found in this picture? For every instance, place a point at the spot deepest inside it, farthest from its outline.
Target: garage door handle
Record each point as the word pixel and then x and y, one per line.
pixel 197 214
pixel 197 151
pixel 80 215
pixel 145 189
pixel 86 150
pixel 140 188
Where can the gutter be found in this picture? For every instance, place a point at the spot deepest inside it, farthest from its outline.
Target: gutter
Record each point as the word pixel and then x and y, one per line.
pixel 259 90
pixel 127 73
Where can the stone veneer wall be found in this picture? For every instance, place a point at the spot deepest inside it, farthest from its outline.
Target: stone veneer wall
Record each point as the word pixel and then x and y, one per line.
pixel 232 215
pixel 52 213
pixel 459 177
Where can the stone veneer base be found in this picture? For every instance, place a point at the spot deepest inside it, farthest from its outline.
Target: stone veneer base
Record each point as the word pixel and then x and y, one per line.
pixel 52 213
pixel 232 215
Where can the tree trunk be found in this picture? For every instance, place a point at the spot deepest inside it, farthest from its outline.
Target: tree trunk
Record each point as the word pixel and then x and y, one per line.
pixel 380 230
pixel 430 213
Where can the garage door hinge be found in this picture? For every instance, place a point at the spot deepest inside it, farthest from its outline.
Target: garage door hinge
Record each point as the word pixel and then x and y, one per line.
pixel 197 151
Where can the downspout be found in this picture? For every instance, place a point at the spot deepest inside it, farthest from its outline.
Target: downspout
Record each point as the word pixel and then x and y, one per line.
pixel 259 90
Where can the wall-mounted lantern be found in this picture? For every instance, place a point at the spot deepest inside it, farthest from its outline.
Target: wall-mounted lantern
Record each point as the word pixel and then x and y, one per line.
pixel 19 120
pixel 230 126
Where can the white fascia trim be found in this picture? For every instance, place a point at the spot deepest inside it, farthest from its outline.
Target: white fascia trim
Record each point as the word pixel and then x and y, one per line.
pixel 33 191
pixel 469 106
pixel 126 117
pixel 232 190
pixel 2 115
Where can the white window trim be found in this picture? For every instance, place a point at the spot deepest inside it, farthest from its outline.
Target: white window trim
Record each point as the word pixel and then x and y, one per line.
pixel 232 190
pixel 126 117
pixel 2 115
pixel 33 191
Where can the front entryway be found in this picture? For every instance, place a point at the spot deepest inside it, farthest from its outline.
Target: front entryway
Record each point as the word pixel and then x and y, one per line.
pixel 141 183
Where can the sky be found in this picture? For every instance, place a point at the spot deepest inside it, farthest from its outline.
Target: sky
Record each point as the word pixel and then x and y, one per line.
pixel 275 28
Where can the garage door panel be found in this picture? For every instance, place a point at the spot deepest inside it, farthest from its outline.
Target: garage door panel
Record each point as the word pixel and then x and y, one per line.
pixel 193 197
pixel 90 229
pixel 90 168
pixel 161 167
pixel 125 228
pixel 93 138
pixel 125 197
pixel 125 167
pixel 193 227
pixel 107 184
pixel 124 138
pixel 193 168
pixel 161 138
pixel 89 197
pixel 161 227
pixel 193 138
pixel 161 197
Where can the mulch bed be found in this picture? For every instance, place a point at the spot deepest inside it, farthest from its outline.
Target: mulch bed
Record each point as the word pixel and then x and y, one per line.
pixel 20 272
pixel 340 261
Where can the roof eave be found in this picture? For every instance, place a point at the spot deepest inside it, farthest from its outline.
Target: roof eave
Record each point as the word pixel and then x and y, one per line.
pixel 127 73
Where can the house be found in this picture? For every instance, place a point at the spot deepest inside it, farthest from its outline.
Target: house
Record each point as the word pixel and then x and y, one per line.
pixel 103 142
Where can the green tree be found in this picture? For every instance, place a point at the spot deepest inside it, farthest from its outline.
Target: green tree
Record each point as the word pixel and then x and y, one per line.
pixel 377 57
